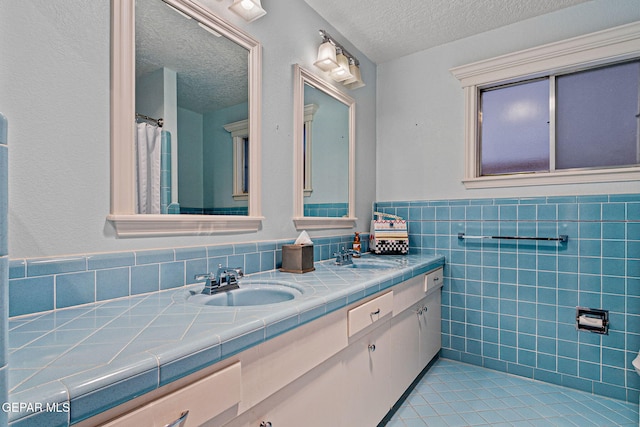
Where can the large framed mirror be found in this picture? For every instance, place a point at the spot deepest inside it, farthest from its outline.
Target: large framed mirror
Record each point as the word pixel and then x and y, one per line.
pixel 197 171
pixel 324 154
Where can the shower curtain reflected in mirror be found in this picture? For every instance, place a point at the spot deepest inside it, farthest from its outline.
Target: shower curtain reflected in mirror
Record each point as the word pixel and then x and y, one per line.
pixel 148 160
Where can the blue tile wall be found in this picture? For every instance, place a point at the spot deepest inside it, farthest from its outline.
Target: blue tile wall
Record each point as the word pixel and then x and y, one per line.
pixel 4 266
pixel 511 305
pixel 232 210
pixel 333 210
pixel 45 284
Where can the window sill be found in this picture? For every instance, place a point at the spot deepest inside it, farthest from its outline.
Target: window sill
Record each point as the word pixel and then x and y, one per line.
pixel 182 225
pixel 555 178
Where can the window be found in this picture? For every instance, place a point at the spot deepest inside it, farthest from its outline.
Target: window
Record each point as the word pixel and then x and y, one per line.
pixel 595 122
pixel 515 129
pixel 240 137
pixel 567 112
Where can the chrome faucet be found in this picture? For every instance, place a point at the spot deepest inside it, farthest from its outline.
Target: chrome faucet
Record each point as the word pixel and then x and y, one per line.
pixel 224 279
pixel 345 257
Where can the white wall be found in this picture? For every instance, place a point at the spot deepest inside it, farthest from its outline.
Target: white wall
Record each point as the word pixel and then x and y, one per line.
pixel 54 89
pixel 420 116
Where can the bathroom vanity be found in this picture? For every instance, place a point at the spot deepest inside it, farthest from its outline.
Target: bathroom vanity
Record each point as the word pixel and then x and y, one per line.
pixel 340 353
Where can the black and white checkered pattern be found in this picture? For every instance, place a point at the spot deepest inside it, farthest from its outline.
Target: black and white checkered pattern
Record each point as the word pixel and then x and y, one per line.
pixel 391 246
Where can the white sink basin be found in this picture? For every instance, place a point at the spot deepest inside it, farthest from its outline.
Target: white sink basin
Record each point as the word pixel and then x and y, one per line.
pixel 370 264
pixel 258 293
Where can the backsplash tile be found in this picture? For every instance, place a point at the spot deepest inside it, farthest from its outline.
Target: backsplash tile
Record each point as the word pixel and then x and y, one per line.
pixel 110 260
pixel 75 289
pixel 44 284
pixel 31 295
pixel 510 305
pixel 44 267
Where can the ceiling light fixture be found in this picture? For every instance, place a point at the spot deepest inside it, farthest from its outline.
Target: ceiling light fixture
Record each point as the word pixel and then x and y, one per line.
pixel 250 10
pixel 338 62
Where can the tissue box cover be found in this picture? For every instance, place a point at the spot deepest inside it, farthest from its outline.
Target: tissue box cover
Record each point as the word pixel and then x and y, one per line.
pixel 388 236
pixel 297 258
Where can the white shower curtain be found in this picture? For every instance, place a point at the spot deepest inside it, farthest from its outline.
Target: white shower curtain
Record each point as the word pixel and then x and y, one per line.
pixel 148 150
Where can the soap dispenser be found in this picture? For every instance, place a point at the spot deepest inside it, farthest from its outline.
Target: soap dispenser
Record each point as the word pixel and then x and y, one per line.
pixel 356 245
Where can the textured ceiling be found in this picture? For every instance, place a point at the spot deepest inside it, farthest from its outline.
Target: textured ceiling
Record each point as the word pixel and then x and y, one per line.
pixel 388 29
pixel 212 71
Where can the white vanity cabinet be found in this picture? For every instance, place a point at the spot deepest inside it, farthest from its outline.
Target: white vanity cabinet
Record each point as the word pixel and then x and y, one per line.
pixel 345 369
pixel 189 406
pixel 415 329
pixel 368 366
pixel 391 339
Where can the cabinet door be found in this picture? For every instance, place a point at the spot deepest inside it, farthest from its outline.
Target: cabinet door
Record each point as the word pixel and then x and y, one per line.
pixel 430 328
pixel 405 341
pixel 316 399
pixel 368 365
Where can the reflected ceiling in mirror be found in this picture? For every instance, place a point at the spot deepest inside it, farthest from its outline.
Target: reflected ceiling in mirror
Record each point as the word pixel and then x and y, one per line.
pixel 324 152
pixel 199 74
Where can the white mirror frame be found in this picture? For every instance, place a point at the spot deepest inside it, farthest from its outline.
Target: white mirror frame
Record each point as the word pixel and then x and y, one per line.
pixel 302 76
pixel 126 222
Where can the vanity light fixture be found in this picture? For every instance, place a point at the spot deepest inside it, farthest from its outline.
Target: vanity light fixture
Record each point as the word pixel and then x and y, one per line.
pixel 327 60
pixel 250 10
pixel 338 62
pixel 341 72
pixel 356 78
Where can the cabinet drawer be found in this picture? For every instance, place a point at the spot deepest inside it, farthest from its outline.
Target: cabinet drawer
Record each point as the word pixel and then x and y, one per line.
pixel 204 400
pixel 433 280
pixel 370 312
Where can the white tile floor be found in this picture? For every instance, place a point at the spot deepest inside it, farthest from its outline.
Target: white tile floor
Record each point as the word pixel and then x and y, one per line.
pixel 453 394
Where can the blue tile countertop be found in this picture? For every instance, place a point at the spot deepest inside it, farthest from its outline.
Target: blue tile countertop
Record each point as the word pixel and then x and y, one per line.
pixel 68 365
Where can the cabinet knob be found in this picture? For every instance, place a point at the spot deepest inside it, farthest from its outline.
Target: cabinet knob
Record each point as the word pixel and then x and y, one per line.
pixel 373 313
pixel 372 347
pixel 265 424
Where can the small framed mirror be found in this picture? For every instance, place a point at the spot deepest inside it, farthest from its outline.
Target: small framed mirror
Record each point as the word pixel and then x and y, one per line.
pixel 324 154
pixel 177 61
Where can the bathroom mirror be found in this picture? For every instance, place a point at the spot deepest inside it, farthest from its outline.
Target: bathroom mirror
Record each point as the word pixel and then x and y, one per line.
pixel 176 60
pixel 324 154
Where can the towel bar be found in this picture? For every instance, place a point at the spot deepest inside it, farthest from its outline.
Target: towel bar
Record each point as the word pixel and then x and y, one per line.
pixel 563 238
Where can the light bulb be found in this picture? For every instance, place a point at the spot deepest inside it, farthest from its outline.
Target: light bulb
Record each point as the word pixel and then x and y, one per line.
pixel 247 4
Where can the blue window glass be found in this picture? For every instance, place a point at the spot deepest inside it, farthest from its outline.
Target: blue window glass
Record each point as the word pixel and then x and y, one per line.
pixel 596 117
pixel 514 134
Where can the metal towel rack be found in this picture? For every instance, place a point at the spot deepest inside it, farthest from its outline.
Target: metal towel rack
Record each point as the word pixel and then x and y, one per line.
pixel 563 238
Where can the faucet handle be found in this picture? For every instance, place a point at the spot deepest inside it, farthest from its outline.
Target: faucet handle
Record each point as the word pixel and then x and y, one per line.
pixel 205 276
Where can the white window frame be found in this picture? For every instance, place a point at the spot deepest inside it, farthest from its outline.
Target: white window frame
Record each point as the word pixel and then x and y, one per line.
pixel 591 50
pixel 309 112
pixel 239 131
